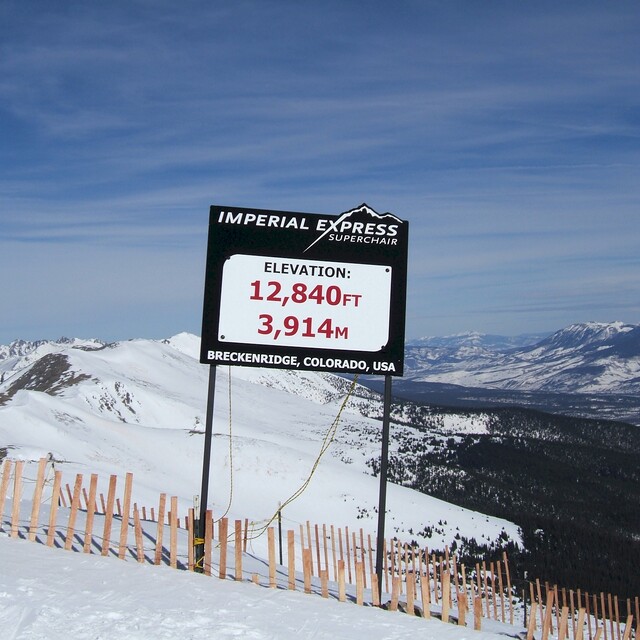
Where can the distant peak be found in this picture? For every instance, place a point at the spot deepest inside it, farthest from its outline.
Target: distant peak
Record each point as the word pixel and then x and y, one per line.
pixel 588 332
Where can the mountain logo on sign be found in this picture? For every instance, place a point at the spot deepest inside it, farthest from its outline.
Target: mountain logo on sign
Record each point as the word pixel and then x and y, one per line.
pixel 360 225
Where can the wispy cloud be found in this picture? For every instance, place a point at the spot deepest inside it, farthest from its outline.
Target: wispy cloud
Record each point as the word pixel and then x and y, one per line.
pixel 507 134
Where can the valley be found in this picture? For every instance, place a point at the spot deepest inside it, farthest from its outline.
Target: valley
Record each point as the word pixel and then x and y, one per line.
pixel 609 406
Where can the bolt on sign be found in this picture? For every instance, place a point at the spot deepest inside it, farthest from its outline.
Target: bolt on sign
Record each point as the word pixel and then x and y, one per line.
pixel 305 291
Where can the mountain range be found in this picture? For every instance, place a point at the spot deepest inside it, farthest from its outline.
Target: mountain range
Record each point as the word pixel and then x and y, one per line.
pixel 590 369
pixel 140 406
pixel 582 358
pixel 479 479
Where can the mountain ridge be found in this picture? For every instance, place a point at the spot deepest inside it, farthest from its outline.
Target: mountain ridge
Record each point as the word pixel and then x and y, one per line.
pixel 602 358
pixel 140 405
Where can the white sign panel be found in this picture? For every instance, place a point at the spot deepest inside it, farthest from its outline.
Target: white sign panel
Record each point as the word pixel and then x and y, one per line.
pixel 304 303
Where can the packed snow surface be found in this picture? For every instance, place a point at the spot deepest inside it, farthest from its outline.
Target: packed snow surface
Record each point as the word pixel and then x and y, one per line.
pixel 51 594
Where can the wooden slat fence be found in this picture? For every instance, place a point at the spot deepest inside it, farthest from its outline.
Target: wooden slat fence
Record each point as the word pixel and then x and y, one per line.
pixel 415 580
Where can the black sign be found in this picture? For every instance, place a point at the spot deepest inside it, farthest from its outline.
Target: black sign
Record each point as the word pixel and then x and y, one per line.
pixel 305 291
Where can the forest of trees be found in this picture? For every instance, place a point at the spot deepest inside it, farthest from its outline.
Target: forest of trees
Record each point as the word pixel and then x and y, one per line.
pixel 571 485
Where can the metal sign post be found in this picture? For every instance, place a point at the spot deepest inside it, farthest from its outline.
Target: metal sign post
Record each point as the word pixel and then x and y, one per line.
pixel 382 498
pixel 206 464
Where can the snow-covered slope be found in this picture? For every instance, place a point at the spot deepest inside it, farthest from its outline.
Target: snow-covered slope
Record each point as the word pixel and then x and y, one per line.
pixel 140 406
pixel 591 357
pixel 58 595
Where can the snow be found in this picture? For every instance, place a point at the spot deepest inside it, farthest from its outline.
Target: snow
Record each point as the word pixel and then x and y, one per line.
pixel 140 407
pixel 471 424
pixel 51 594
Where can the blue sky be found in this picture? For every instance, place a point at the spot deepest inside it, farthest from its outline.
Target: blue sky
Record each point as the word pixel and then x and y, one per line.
pixel 507 133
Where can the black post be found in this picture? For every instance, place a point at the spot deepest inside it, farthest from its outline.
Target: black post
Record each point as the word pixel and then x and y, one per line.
pixel 280 530
pixel 382 501
pixel 206 463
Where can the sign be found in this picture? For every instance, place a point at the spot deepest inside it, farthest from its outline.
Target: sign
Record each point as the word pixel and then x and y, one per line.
pixel 305 291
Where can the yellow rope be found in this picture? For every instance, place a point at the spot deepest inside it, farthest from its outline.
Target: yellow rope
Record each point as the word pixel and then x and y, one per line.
pixel 326 443
pixel 230 455
pixel 328 439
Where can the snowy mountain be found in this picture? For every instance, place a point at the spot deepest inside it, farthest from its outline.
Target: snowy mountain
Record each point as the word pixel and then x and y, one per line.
pixel 601 358
pixel 140 406
pixel 474 339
